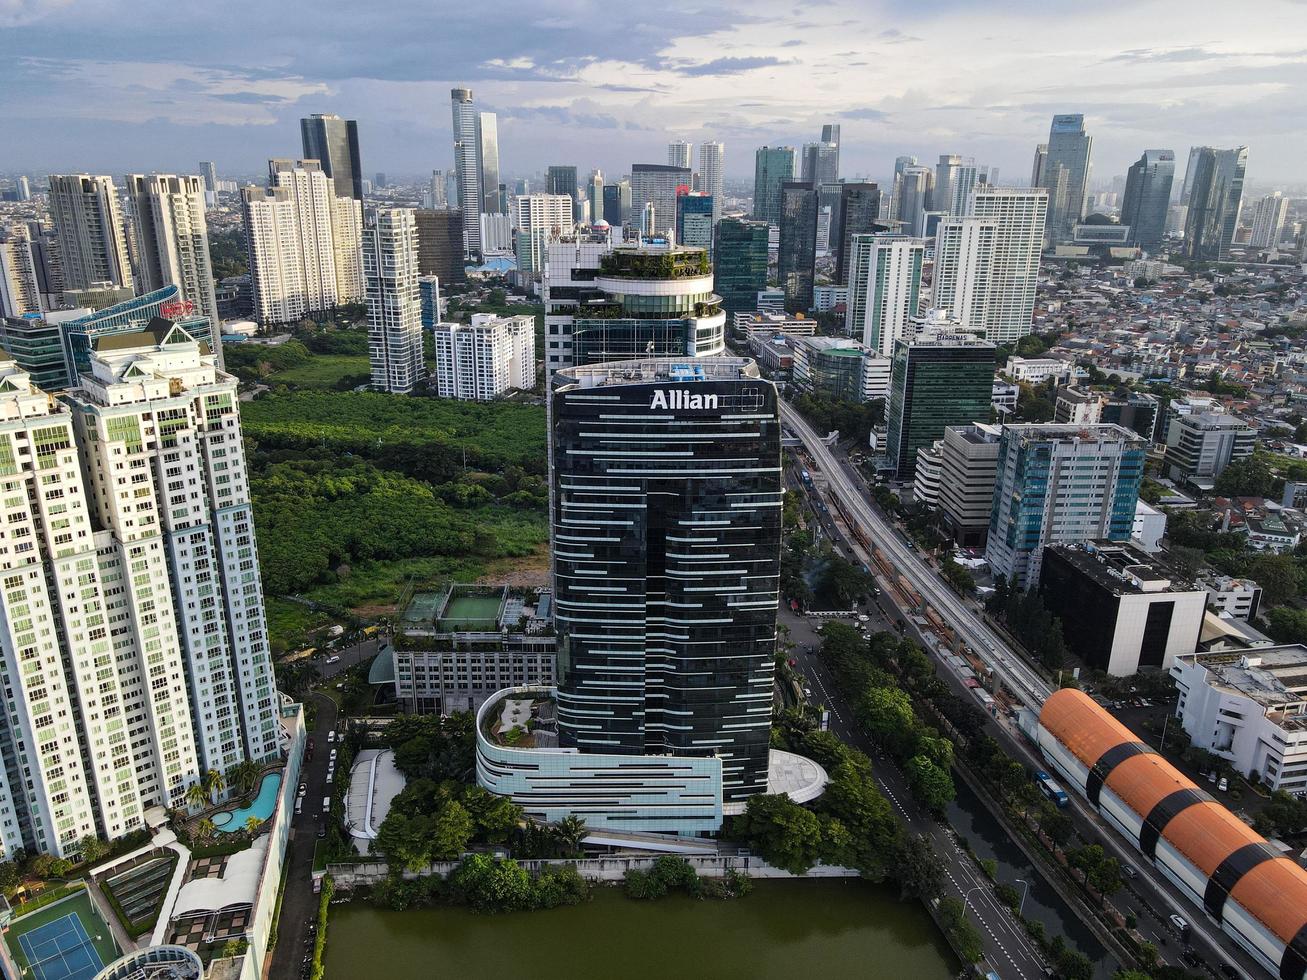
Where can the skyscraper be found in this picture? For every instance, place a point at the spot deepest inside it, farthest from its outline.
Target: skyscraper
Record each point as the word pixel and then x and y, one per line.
pixel 639 521
pixel 1060 484
pixel 1018 214
pixel 773 165
pixel 172 241
pixel 334 143
pixel 434 196
pixel 964 262
pixel 561 179
pixel 857 213
pixel 656 184
pixel 830 135
pixel 594 190
pixel 1190 171
pixel 540 218
pixel 936 380
pixel 390 266
pixel 20 290
pixel 1066 175
pixel 884 289
pixel 712 162
pixel 440 244
pixel 210 174
pixel 1268 220
pixel 1214 203
pixel 612 209
pixel 467 167
pixel 1037 168
pixel 694 221
pixel 89 225
pixel 679 153
pixel 797 258
pixel 821 163
pixel 481 360
pixel 1147 197
pixel 492 195
pixel 740 264
pixel 955 178
pixel 915 184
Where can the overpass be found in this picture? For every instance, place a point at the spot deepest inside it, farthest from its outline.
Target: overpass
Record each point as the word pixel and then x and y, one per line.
pixel 877 543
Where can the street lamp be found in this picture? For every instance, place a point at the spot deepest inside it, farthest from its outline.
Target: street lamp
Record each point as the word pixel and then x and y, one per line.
pixel 1025 890
pixel 967 897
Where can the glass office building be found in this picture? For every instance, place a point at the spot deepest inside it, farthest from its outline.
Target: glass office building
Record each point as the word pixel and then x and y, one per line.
pixel 797 259
pixel 665 494
pixel 936 381
pixel 740 264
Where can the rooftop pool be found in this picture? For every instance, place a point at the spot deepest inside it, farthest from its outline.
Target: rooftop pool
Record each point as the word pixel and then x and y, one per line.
pixel 230 821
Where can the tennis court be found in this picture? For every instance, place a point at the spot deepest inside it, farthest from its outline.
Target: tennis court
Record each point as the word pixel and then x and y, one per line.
pixel 61 950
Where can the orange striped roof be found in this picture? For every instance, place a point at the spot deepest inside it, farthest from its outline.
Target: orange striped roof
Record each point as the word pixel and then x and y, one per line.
pixel 1275 893
pixel 1143 781
pixel 1081 725
pixel 1207 833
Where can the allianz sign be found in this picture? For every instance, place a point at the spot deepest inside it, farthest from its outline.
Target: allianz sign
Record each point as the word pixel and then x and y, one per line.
pixel 680 399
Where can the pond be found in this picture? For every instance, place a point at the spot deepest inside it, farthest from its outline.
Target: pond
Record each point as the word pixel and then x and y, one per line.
pixel 784 929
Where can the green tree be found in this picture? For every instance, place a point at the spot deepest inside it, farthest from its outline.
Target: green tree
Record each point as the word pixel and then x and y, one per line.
pixel 450 831
pixel 571 830
pixel 1278 577
pixel 854 801
pixel 917 867
pixel 92 848
pixel 10 878
pixel 488 885
pixel 1248 477
pixel 886 713
pixel 962 933
pixel 404 840
pixel 252 824
pixel 784 833
pixel 931 786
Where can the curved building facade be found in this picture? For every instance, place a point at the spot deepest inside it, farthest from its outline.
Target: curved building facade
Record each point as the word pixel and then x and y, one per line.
pixel 1224 867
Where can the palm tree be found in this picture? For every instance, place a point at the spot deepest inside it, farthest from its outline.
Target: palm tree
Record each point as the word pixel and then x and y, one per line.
pixel 214 783
pixel 196 795
pixel 570 830
pixel 243 775
pixel 205 829
pixel 252 824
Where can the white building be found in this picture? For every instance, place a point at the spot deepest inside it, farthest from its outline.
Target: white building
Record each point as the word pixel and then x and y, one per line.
pixel 828 296
pixel 964 262
pixel 1004 397
pixel 1019 214
pixel 481 360
pixel 1268 220
pixel 1239 598
pixel 540 218
pixel 1149 527
pixel 1037 370
pixel 88 222
pixel 496 232
pixel 929 474
pixel 1249 708
pixel 390 268
pixel 570 265
pixel 20 290
pixel 135 656
pixel 884 289
pixel 712 163
pixel 172 240
pixel 679 153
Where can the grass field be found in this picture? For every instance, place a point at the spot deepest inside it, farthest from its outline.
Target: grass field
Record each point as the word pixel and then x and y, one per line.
pixel 323 371
pixel 470 612
pixel 292 623
pixel 78 903
pixel 374 587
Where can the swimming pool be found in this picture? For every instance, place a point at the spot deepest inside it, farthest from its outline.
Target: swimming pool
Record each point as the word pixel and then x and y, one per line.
pixel 230 821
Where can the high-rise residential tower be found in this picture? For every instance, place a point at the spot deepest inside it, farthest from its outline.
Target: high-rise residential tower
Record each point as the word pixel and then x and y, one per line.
pixel 680 154
pixel 884 289
pixel 964 262
pixel 20 289
pixel 210 174
pixel 1147 197
pixel 1214 202
pixel 712 173
pixel 561 179
pixel 1268 220
pixel 493 196
pixel 656 184
pixel 797 258
pixel 334 143
pixel 773 165
pixel 539 219
pixel 674 653
pixel 1066 175
pixel 1060 484
pixel 172 241
pixel 390 269
pixel 914 190
pixel 88 223
pixel 1018 214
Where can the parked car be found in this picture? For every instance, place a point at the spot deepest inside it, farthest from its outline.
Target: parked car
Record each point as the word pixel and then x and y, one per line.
pixel 1211 776
pixel 326 807
pixel 322 831
pixel 299 806
pixel 1129 871
pixel 331 736
pixel 1223 785
pixel 304 788
pixel 334 659
pixel 332 757
pixel 1179 924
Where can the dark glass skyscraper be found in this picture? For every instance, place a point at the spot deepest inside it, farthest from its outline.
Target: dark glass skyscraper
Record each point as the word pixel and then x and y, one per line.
pixel 334 142
pixel 562 180
pixel 1214 202
pixel 440 244
pixel 665 493
pixel 1147 197
pixel 856 213
pixel 613 212
pixel 797 260
pixel 740 264
pixel 773 165
pixel 1066 175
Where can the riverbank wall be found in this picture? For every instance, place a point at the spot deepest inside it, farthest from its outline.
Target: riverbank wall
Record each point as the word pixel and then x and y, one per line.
pixel 604 869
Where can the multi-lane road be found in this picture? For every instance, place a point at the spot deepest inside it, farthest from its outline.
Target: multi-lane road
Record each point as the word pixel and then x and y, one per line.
pixel 1149 896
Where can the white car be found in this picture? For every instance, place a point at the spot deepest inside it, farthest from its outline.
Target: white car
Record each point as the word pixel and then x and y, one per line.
pixel 333 660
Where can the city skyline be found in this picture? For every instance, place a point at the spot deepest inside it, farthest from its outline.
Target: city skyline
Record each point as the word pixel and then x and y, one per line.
pixel 114 102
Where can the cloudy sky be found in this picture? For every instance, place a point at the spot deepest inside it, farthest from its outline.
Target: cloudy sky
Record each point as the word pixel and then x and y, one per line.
pixel 119 85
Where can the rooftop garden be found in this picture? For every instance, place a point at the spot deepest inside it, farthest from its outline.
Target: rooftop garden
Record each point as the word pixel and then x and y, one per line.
pixel 675 264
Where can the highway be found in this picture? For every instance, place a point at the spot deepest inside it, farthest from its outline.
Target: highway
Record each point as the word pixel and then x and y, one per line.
pixel 1150 897
pixel 1019 678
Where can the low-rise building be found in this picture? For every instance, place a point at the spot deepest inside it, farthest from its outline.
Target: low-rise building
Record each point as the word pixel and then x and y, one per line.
pixel 1237 597
pixel 1250 708
pixel 840 368
pixel 1200 446
pixel 1119 609
pixel 1076 406
pixel 452 650
pixel 969 465
pixel 930 470
pixel 826 297
pixel 1037 370
pixel 774 354
pixel 1003 397
pixel 1271 533
pixel 1149 527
